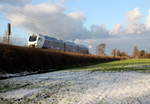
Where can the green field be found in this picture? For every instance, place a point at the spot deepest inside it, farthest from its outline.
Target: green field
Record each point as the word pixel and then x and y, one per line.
pixel 123 65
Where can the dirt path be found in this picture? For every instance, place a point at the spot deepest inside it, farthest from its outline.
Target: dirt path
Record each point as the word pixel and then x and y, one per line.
pixel 83 87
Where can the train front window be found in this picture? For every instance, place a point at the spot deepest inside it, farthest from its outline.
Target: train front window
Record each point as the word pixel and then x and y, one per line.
pixel 32 38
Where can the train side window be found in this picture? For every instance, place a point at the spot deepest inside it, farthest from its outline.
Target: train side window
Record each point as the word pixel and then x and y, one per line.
pixel 40 39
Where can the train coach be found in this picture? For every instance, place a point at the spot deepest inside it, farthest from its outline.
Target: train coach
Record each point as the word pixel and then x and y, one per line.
pixel 42 41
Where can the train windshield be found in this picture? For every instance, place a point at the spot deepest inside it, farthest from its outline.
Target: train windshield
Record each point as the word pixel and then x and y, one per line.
pixel 32 38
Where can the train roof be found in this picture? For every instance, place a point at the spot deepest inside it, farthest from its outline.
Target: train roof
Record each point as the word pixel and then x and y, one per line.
pixel 67 42
pixel 71 43
pixel 51 38
pixel 83 46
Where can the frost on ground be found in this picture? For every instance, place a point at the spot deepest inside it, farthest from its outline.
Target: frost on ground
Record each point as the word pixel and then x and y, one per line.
pixel 84 87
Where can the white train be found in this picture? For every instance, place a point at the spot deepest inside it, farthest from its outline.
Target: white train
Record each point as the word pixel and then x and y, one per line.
pixel 42 41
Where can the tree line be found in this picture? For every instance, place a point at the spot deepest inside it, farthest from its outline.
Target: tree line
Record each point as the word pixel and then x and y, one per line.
pixel 136 52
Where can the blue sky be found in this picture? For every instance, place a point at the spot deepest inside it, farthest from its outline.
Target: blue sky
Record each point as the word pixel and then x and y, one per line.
pixel 106 12
pixel 96 12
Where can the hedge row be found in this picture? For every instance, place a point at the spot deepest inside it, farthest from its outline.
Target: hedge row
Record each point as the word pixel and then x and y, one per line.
pixel 19 59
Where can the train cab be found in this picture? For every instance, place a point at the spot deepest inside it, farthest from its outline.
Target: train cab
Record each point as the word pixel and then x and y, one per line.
pixel 36 41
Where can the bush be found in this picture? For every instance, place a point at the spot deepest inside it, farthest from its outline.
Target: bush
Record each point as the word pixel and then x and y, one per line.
pixel 17 59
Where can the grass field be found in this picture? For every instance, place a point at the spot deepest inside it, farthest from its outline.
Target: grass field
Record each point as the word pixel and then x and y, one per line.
pixel 123 65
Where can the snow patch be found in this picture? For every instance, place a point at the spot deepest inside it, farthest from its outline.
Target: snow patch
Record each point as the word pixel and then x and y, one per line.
pixel 18 94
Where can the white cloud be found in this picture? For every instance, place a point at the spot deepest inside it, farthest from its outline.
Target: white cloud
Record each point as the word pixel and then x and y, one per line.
pixel 51 18
pixel 134 16
pixel 124 43
pixel 77 15
pixel 148 21
pixel 134 25
pixel 15 2
pixel 48 18
pixel 99 31
pixel 125 38
pixel 117 29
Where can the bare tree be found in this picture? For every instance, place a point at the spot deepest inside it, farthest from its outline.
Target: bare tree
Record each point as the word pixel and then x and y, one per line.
pixel 118 53
pixel 136 52
pixel 142 53
pixel 114 52
pixel 100 49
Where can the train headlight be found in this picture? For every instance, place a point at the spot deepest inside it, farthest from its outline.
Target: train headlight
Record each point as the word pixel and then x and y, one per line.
pixel 36 45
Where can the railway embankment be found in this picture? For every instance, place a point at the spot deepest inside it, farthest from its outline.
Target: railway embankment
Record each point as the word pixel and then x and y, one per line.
pixel 15 59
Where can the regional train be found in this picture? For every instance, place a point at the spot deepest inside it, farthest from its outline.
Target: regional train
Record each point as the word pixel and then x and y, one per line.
pixel 43 41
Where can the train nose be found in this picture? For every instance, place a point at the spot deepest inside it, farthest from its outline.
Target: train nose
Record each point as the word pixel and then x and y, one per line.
pixel 32 46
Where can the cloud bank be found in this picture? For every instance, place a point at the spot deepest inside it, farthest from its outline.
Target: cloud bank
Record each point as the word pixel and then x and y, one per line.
pixel 53 20
pixel 14 2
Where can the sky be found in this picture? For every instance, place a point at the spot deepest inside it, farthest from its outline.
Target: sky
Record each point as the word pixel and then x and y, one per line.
pixel 107 12
pixel 120 24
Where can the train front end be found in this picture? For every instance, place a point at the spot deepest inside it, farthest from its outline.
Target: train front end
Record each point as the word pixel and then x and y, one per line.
pixel 36 41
